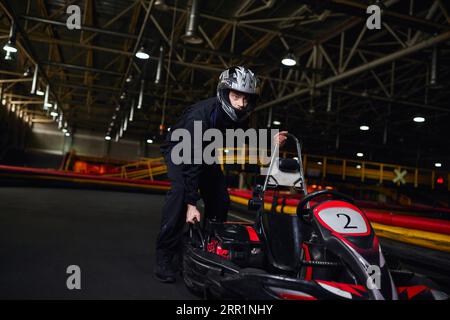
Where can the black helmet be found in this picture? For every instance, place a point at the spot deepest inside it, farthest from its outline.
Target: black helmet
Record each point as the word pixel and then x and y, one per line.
pixel 242 80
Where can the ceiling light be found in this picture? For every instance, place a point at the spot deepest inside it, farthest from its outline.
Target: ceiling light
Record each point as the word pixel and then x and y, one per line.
pixel 67 134
pixel 433 82
pixel 125 124
pixel 438 164
pixel 46 96
pixel 34 83
pixel 131 111
pixel 142 54
pixel 364 128
pixel 107 138
pixel 360 154
pixel 190 36
pixel 141 95
pixel 10 47
pixel 27 72
pixel 419 119
pixel 289 60
pixel 149 141
pixel 159 67
pixel 8 56
pixel 60 124
pixel 277 123
pixel 161 5
pixel 358 166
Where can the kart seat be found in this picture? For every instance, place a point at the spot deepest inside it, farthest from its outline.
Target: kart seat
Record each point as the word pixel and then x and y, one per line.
pixel 283 239
pixel 282 232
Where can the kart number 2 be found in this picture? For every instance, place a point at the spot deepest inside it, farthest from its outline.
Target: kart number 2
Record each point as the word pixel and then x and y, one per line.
pixel 343 220
pixel 347 226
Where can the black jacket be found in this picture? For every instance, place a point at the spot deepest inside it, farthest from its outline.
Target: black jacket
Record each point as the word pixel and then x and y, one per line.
pixel 211 114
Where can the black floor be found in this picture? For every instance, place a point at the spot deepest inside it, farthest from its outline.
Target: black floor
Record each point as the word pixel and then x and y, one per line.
pixel 109 235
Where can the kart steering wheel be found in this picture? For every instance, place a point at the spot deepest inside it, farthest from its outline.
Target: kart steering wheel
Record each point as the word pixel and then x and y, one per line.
pixel 334 195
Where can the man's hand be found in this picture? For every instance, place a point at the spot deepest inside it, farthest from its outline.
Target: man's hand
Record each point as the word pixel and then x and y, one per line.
pixel 192 214
pixel 280 138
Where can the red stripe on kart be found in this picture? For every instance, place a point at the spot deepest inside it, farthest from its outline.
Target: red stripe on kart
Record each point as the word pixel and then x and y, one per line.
pixel 289 296
pixel 351 288
pixel 308 275
pixel 412 291
pixel 252 234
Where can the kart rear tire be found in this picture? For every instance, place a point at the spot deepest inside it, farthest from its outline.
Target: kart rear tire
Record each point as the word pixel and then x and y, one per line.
pixel 194 287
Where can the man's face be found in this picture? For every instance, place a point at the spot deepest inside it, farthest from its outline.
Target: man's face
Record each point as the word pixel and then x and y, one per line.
pixel 238 99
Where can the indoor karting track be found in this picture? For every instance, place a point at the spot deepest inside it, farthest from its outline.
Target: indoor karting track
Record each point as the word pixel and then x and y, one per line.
pixel 111 236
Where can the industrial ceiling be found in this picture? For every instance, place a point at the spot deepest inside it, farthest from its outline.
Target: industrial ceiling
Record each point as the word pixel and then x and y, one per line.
pixel 346 76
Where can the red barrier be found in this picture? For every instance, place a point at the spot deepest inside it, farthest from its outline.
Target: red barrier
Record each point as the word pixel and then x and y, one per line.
pixel 411 222
pixel 62 174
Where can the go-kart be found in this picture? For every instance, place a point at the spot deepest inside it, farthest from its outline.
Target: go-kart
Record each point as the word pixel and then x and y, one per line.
pixel 327 250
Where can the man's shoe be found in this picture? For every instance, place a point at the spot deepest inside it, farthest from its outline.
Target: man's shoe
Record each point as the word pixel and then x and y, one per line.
pixel 163 269
pixel 164 276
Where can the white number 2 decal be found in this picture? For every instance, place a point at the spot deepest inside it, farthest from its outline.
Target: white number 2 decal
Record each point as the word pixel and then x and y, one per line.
pixel 343 220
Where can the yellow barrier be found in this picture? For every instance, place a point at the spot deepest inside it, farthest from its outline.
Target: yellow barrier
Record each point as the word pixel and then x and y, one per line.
pixel 89 181
pixel 146 168
pixel 421 238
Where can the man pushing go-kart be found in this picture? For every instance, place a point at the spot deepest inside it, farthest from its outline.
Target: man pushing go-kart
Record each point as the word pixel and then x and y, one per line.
pixel 237 93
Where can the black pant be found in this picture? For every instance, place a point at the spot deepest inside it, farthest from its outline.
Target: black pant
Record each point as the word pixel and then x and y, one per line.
pixel 213 190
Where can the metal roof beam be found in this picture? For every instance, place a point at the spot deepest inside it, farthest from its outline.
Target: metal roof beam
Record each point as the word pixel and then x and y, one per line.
pixel 362 68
